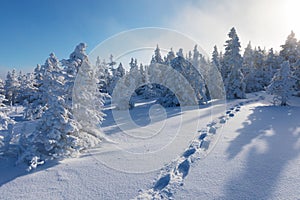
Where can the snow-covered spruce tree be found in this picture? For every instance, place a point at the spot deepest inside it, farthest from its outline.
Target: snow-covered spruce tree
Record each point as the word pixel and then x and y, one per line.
pixel 191 75
pixel 234 81
pixel 196 57
pixel 76 57
pixel 216 58
pixel 281 85
pixel 133 80
pixel 214 79
pixel 2 91
pixel 296 75
pixel 247 60
pixel 123 92
pixel 4 119
pixel 58 134
pixel 170 56
pixel 105 75
pixel 87 103
pixel 289 51
pixel 55 136
pixel 137 77
pixel 11 87
pixel 249 70
pixel 27 89
pixel 6 127
pixel 157 58
pixel 40 87
pixel 271 65
pixel 118 73
pixel 296 71
pixel 259 60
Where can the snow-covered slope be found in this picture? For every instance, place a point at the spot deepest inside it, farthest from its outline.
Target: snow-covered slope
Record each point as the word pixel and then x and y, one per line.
pixel 255 155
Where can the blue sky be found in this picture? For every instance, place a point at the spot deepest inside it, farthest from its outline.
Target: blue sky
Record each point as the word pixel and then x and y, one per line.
pixel 31 29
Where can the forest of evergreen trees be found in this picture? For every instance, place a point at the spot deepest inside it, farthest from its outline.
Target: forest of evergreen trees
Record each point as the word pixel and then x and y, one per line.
pixel 47 94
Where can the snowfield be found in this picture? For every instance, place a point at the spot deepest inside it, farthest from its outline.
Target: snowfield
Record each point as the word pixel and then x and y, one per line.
pixel 246 150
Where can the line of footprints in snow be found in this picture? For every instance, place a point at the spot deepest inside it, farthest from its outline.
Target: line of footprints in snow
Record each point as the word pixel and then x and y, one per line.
pixel 173 174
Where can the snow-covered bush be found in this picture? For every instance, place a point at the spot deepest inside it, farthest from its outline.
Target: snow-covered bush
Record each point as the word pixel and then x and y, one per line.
pixel 282 84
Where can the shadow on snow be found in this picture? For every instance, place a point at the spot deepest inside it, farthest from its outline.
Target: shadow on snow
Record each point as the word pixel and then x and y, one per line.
pixel 278 127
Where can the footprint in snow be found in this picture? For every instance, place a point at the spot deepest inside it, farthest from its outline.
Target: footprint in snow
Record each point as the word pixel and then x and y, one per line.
pixel 162 182
pixel 204 144
pixel 212 130
pixel 189 152
pixel 223 121
pixel 184 168
pixel 202 136
pixel 231 115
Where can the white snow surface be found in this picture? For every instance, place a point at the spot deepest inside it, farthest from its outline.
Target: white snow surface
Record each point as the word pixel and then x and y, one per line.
pixel 251 150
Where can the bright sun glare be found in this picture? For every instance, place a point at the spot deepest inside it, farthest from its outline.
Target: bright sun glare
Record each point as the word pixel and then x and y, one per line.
pixel 292 15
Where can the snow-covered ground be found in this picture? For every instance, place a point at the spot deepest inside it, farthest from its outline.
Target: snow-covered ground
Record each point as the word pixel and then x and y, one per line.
pixel 251 150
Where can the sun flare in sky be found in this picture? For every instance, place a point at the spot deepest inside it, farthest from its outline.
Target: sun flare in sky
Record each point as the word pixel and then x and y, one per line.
pixel 292 15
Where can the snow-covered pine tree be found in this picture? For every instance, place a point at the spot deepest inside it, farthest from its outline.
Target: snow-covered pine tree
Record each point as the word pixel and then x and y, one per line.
pixel 11 87
pixel 249 71
pixel 58 134
pixel 214 80
pixel 196 57
pixel 180 53
pixel 70 69
pixel 170 56
pixel 136 76
pixel 234 80
pixel 281 85
pixel 232 55
pixel 40 88
pixel 157 58
pixel 124 90
pixel 296 75
pixel 27 89
pixel 193 78
pixel 55 136
pixel 296 71
pixel 247 61
pixel 87 103
pixel 154 74
pixel 111 63
pixel 76 57
pixel 2 91
pixel 4 119
pixel 6 127
pixel 216 58
pixel 259 59
pixel 289 51
pixel 117 74
pixel 271 65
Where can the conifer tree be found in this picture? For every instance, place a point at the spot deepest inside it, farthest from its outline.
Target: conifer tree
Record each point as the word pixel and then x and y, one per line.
pixel 281 85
